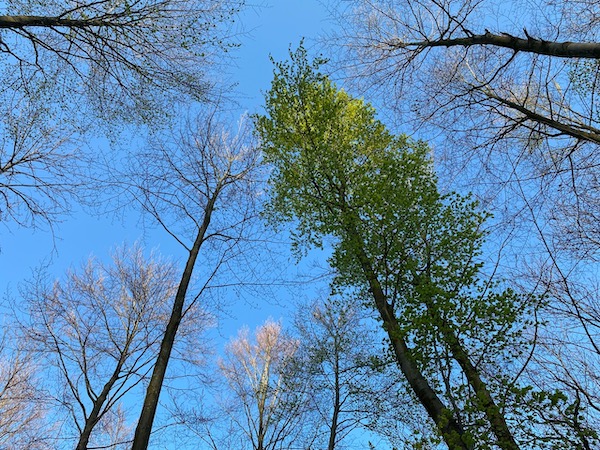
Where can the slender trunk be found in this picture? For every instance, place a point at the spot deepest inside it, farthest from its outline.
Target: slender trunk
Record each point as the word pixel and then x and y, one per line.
pixel 336 405
pixel 452 432
pixel 84 437
pixel 260 438
pixel 261 398
pixel 91 421
pixel 505 439
pixel 144 426
pixel 94 417
pixel 577 131
pixel 483 397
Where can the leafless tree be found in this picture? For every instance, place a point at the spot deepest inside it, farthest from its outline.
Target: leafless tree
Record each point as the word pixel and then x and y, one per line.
pixel 258 372
pixel 99 330
pixel 201 187
pixel 22 414
pixel 527 72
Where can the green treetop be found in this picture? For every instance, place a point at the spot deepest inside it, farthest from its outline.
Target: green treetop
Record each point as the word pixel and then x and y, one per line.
pixel 402 247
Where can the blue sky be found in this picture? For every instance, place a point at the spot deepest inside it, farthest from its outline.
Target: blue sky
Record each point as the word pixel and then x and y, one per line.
pixel 273 29
pixel 270 30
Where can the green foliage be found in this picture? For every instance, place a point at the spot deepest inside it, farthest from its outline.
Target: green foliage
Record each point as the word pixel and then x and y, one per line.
pixel 329 151
pixel 339 173
pixel 584 77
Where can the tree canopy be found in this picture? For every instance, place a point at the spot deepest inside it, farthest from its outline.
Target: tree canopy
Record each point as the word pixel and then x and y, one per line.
pixel 400 247
pixel 432 323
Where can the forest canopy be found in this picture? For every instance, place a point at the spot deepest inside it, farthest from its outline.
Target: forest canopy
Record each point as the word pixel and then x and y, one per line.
pixel 395 248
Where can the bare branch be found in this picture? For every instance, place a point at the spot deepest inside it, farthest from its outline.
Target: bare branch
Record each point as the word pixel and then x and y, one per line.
pixel 589 50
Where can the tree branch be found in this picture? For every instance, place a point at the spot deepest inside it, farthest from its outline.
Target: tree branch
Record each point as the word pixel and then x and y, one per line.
pixel 13 22
pixel 567 49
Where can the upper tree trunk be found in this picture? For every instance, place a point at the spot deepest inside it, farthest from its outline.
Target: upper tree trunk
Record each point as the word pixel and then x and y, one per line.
pixel 484 399
pixel 144 426
pixel 336 404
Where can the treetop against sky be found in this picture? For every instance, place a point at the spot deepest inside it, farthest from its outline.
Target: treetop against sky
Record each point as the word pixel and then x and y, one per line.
pixel 129 126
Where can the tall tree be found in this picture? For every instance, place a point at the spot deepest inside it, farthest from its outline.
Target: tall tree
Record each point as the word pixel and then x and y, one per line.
pixel 258 372
pixel 413 252
pixel 200 187
pixel 533 72
pixel 515 96
pixel 511 90
pixel 99 332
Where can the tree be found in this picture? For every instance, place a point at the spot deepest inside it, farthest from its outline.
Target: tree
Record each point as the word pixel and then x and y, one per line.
pixel 514 76
pixel 99 332
pixel 265 389
pixel 340 364
pixel 511 91
pixel 411 251
pixel 513 97
pixel 201 187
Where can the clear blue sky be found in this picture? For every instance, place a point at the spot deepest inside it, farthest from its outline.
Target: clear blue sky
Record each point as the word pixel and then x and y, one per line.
pixel 273 29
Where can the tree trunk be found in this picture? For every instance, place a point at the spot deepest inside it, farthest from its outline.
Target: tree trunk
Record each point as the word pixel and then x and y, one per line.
pixel 505 439
pixel 483 398
pixel 94 417
pixel 336 404
pixel 452 432
pixel 144 426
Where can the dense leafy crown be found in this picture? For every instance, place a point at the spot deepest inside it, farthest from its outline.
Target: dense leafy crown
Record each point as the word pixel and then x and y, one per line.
pixel 338 170
pixel 339 173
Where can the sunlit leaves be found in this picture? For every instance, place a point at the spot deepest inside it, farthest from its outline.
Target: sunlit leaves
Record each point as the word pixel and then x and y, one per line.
pixel 340 175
